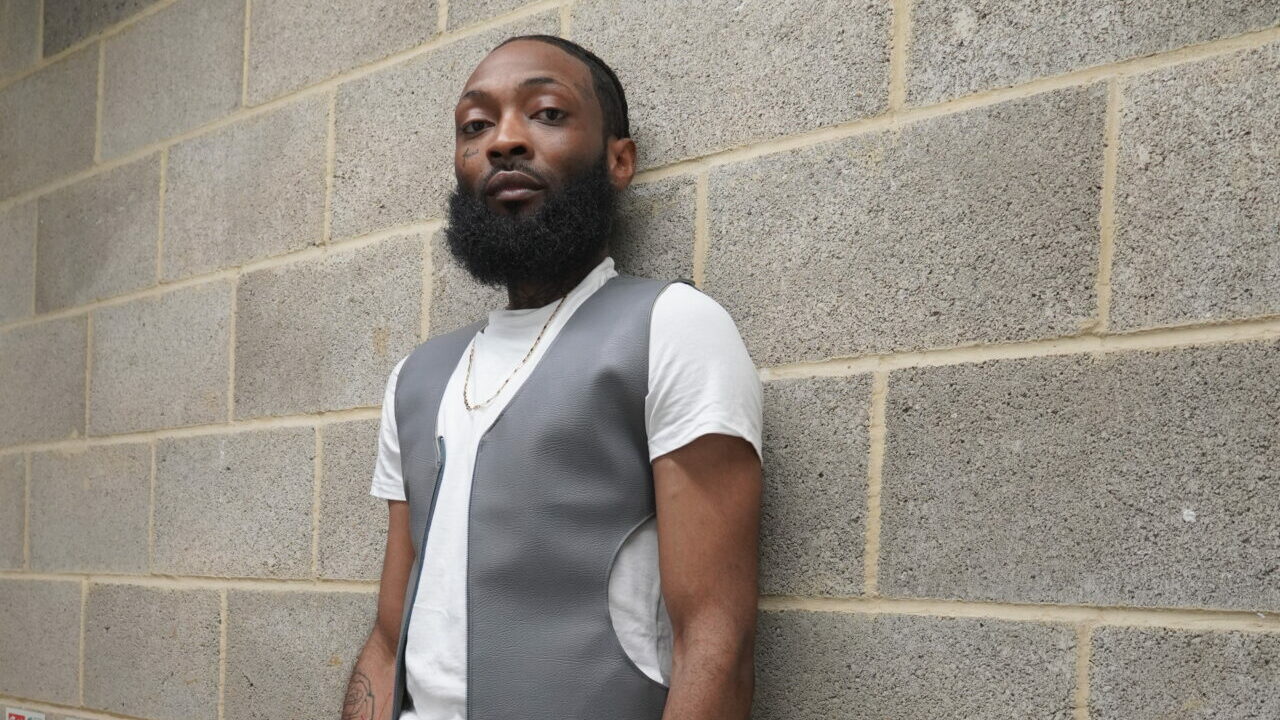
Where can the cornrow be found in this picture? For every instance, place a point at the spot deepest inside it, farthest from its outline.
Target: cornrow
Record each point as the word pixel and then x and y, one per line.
pixel 613 101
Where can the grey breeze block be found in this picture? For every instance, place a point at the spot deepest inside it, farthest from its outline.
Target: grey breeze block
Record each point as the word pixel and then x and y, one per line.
pixel 235 505
pixel 854 666
pixel 976 227
pixel 962 46
pixel 1141 478
pixel 152 652
pixel 1197 234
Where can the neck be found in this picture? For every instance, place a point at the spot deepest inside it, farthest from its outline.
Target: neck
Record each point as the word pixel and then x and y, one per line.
pixel 524 295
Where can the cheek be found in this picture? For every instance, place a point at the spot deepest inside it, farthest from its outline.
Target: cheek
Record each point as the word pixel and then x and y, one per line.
pixel 468 165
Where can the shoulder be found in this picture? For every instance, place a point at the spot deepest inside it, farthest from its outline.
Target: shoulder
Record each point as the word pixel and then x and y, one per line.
pixel 441 348
pixel 693 337
pixel 686 315
pixel 701 377
pixel 689 304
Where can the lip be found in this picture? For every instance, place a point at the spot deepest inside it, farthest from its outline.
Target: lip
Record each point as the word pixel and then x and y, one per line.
pixel 512 185
pixel 515 194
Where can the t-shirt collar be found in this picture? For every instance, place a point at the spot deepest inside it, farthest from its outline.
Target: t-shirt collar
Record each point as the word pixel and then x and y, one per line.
pixel 502 319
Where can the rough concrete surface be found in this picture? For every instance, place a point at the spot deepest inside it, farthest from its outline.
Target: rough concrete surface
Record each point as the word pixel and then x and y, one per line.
pixel 248 191
pixel 1198 193
pixel 161 361
pixel 1136 479
pixel 97 237
pixel 235 505
pixel 322 333
pixel 89 509
pixel 814 508
pixel 854 666
pixel 152 651
pixel 976 227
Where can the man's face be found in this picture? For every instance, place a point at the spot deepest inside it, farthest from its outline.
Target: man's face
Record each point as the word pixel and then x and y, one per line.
pixel 536 179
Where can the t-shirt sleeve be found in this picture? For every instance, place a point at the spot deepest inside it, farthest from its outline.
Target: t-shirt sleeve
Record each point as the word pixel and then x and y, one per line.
pixel 388 481
pixel 701 378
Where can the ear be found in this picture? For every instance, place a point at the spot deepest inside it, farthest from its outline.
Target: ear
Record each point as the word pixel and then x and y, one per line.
pixel 620 156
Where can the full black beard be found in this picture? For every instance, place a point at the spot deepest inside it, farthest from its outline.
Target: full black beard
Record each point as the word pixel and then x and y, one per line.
pixel 564 236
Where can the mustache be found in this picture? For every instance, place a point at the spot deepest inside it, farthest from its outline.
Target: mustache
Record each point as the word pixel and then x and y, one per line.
pixel 516 166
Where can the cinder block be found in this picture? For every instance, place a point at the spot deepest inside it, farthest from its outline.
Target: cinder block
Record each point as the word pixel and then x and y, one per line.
pixel 67 22
pixel 295 43
pixel 1155 673
pixel 1138 479
pixel 97 237
pixel 18 273
pixel 290 654
pixel 236 505
pixel 469 12
pixel 42 381
pixel 456 298
pixel 55 136
pixel 654 233
pixel 976 227
pixel 813 514
pixel 1197 230
pixel 812 665
pixel 152 652
pixel 19 35
pixel 40 634
pixel 353 524
pixel 691 90
pixel 395 133
pixel 171 72
pixel 247 191
pixel 89 509
pixel 960 47
pixel 320 334
pixel 161 362
pixel 13 503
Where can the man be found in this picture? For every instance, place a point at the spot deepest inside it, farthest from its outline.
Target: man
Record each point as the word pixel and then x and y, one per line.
pixel 573 482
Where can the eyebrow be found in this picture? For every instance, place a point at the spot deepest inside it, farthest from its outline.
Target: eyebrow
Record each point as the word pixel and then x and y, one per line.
pixel 536 80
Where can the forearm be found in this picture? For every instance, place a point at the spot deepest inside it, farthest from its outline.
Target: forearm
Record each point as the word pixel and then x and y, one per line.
pixel 372 682
pixel 712 678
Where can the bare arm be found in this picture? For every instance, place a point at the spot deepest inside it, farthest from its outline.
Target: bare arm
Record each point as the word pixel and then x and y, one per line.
pixel 373 677
pixel 708 504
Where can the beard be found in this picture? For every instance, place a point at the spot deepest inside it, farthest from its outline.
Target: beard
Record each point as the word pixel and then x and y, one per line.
pixel 563 236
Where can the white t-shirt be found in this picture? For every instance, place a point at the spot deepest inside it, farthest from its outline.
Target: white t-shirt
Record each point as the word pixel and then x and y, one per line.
pixel 701 380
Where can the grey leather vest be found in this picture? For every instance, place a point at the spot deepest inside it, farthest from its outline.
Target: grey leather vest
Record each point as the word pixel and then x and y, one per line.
pixel 561 478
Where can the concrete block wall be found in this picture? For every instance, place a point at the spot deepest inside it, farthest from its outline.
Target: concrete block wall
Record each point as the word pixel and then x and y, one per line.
pixel 1010 271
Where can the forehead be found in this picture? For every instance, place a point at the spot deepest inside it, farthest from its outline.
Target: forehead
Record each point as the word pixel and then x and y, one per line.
pixel 509 64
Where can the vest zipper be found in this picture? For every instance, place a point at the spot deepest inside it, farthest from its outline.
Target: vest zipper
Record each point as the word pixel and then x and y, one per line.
pixel 402 671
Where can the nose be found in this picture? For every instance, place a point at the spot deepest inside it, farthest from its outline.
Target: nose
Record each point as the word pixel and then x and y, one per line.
pixel 509 138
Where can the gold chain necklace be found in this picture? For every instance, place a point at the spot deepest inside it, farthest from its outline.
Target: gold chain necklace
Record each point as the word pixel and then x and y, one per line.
pixel 466 380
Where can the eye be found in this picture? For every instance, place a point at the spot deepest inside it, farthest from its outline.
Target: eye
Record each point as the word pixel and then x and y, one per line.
pixel 552 110
pixel 464 127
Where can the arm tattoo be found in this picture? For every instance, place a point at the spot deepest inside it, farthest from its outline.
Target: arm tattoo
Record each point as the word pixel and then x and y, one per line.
pixel 358 704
